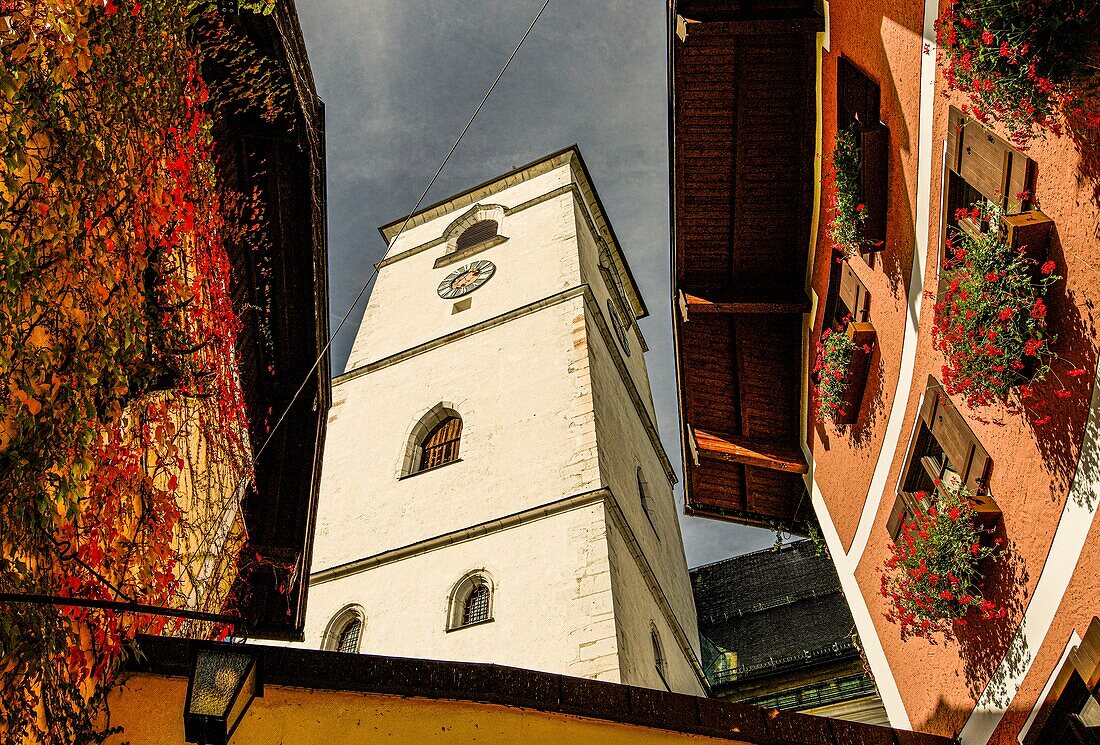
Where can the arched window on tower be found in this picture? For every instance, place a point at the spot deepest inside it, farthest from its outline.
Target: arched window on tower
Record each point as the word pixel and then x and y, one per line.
pixel 471 601
pixel 643 496
pixel 479 232
pixel 349 636
pixel 440 446
pixel 476 607
pixel 345 631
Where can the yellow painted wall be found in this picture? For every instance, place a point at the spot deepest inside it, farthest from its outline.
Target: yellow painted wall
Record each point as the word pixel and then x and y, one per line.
pixel 150 708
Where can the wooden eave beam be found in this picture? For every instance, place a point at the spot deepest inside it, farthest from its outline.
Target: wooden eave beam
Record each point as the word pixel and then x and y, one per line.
pixel 770 302
pixel 696 507
pixel 749 451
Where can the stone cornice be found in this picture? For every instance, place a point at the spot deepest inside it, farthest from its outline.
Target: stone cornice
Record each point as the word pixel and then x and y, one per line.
pixel 462 333
pixel 443 540
pixel 601 324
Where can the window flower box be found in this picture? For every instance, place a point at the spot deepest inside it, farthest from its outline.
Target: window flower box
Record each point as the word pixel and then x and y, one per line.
pixel 931 579
pixel 1029 233
pixel 1024 65
pixel 858 201
pixel 990 321
pixel 844 359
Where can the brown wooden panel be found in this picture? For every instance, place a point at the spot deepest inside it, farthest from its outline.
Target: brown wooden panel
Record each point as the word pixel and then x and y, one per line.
pixel 769 367
pixel 862 335
pixel 718 484
pixel 989 164
pixel 959 444
pixel 923 417
pixel 708 372
pixel 896 517
pixel 1029 232
pixel 774 497
pixel 874 154
pixel 778 495
pixel 852 293
pixel 775 456
pixel 857 95
pixel 983 162
pixel 955 121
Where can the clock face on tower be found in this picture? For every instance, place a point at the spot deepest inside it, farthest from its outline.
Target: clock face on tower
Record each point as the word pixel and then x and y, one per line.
pixel 466 279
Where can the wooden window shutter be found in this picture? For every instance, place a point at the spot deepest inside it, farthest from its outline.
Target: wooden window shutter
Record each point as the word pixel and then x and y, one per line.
pixel 897 516
pixel 988 163
pixel 963 450
pixel 857 95
pixel 955 123
pixel 853 294
pixel 874 156
pixel 959 444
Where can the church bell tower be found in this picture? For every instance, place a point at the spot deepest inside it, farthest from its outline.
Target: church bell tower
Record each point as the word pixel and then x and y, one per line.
pixel 494 487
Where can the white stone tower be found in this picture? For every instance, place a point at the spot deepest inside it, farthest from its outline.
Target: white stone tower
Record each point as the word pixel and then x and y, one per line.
pixel 494 488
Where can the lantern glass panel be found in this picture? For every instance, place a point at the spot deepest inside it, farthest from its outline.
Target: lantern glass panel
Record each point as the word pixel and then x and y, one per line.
pixel 218 677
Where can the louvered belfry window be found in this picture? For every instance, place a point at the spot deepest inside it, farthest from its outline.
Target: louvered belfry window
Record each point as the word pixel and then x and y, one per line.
pixel 349 636
pixel 441 444
pixel 477 233
pixel 476 607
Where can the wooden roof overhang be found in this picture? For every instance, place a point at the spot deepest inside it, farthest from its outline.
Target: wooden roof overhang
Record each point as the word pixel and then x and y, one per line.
pixel 280 294
pixel 742 87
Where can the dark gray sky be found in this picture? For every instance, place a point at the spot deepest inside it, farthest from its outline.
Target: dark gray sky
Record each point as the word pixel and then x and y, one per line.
pixel 400 78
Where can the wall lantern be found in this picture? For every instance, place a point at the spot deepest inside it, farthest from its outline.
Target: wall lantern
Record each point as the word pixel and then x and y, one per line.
pixel 224 680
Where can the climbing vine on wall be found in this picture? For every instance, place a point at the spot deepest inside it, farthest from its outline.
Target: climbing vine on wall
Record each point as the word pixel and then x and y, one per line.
pixel 123 437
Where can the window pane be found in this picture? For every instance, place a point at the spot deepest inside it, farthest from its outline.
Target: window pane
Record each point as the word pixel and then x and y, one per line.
pixel 441 444
pixel 477 606
pixel 349 637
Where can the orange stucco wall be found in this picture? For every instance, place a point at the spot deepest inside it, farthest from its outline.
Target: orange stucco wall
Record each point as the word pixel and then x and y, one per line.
pixel 1033 466
pixel 883 40
pixel 150 710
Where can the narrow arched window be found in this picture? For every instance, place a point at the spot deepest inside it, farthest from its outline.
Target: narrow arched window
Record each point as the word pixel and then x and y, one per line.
pixel 658 653
pixel 349 636
pixel 471 601
pixel 479 232
pixel 345 631
pixel 647 507
pixel 440 446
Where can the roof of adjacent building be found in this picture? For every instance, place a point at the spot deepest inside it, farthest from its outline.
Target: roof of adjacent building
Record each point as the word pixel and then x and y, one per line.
pixel 777 609
pixel 532 691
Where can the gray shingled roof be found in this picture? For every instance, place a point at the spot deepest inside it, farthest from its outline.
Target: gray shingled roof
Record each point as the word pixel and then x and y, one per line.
pixel 777 609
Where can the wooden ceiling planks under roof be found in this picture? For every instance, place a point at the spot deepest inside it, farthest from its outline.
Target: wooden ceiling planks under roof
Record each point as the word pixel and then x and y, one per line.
pixel 742 120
